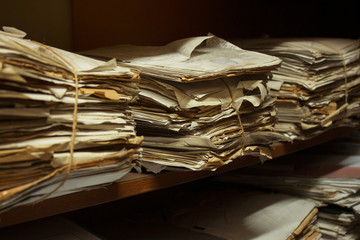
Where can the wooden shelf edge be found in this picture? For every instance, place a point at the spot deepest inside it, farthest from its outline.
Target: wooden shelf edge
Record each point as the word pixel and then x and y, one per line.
pixel 134 184
pixel 281 149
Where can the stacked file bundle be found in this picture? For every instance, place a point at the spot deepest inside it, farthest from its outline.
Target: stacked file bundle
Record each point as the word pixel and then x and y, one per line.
pixel 203 102
pixel 338 223
pixel 317 84
pixel 331 178
pixel 61 111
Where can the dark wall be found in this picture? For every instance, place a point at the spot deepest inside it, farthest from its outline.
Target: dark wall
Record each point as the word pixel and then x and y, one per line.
pixel 154 22
pixel 45 21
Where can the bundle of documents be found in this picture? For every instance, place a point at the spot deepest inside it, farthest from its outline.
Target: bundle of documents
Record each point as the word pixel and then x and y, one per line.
pixel 329 174
pixel 317 84
pixel 203 102
pixel 338 223
pixel 250 215
pixel 64 120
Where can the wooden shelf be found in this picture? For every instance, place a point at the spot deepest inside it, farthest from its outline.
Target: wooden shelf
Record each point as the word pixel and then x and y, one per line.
pixel 134 184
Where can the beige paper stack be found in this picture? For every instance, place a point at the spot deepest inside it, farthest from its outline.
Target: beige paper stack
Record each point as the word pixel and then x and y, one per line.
pixel 317 84
pixel 203 102
pixel 59 109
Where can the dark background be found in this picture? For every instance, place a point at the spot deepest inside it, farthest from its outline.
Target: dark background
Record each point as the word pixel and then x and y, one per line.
pixel 144 22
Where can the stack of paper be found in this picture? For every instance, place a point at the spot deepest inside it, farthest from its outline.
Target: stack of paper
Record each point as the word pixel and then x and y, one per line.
pixel 253 215
pixel 338 223
pixel 317 84
pixel 47 95
pixel 203 102
pixel 330 175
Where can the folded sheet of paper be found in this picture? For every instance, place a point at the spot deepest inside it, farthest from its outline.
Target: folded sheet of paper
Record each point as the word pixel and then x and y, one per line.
pixel 190 59
pixel 203 102
pixel 40 89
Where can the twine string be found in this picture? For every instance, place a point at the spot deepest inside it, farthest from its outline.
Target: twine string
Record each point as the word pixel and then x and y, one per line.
pixel 74 123
pixel 237 113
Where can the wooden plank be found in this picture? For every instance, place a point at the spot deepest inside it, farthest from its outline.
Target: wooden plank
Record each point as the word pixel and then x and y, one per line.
pixel 134 184
pixel 130 185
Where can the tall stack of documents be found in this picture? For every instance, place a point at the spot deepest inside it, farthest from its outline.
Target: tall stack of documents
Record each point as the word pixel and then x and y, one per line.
pixel 317 84
pixel 329 175
pixel 203 102
pixel 37 110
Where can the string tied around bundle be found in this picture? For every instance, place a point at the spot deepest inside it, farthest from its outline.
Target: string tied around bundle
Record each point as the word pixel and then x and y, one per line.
pixel 67 168
pixel 233 102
